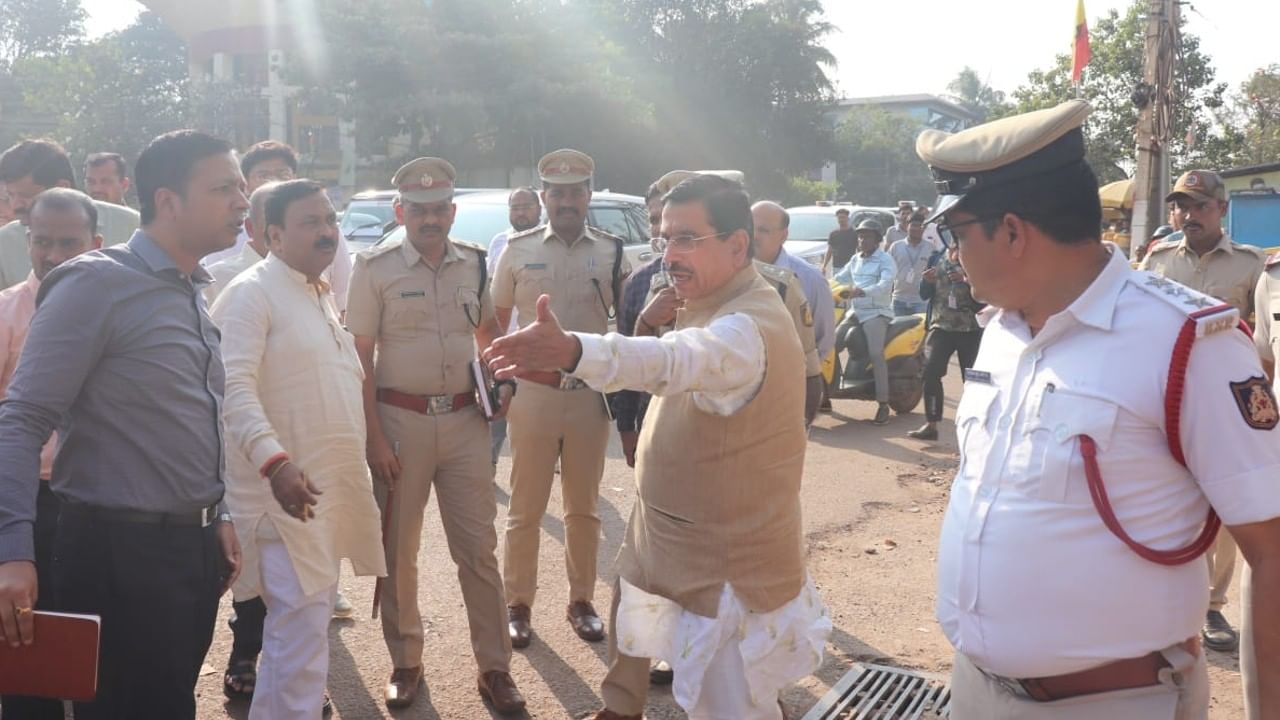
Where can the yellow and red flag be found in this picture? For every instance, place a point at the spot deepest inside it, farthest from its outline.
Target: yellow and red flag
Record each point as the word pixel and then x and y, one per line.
pixel 1080 53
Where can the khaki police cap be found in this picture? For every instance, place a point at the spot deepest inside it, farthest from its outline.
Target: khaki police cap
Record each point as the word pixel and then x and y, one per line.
pixel 1002 152
pixel 425 180
pixel 1199 185
pixel 566 167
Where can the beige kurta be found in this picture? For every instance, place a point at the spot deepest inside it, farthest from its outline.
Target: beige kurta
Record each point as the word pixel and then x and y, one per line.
pixel 294 386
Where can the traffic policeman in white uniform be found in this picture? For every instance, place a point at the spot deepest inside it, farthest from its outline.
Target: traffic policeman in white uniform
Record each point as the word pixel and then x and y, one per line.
pixel 1087 462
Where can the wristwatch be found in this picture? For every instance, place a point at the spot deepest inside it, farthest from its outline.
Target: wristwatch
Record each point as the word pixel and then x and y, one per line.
pixel 223 517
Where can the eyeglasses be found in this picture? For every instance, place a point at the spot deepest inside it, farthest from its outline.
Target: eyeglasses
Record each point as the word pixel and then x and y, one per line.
pixel 945 230
pixel 680 243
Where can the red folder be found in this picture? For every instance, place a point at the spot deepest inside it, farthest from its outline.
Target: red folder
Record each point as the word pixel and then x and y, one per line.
pixel 61 663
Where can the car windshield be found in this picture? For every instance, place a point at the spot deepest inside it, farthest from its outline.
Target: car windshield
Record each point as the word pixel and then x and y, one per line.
pixel 366 214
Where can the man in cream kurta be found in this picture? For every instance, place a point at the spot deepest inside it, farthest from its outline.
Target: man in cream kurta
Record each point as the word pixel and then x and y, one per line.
pixel 712 566
pixel 294 421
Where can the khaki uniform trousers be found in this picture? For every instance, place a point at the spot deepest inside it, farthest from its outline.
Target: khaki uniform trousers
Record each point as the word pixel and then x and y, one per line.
pixel 1222 565
pixel 450 452
pixel 544 424
pixel 1181 695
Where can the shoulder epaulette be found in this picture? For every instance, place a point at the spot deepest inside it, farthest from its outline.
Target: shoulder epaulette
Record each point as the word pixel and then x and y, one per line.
pixel 1249 248
pixel 470 246
pixel 605 234
pixel 381 248
pixel 1163 245
pixel 1210 314
pixel 536 230
pixel 1273 259
pixel 773 272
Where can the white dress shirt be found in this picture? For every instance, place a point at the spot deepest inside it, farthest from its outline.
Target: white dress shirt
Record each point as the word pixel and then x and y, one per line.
pixel 1031 583
pixel 723 365
pixel 224 271
pixel 294 385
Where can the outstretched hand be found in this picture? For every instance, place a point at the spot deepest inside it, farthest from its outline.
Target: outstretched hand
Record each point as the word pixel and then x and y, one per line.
pixel 542 346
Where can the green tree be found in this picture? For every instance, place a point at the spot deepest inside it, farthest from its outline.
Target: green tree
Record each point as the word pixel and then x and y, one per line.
pixel 1116 68
pixel 876 159
pixel 974 93
pixel 30 28
pixel 1259 107
pixel 116 93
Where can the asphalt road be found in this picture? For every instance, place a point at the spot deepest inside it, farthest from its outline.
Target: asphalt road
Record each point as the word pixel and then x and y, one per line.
pixel 873 502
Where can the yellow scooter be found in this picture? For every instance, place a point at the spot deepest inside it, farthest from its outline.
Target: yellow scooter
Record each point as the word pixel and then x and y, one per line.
pixel 851 378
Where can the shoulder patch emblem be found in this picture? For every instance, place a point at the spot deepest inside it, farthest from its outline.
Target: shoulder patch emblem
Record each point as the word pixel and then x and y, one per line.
pixel 1256 402
pixel 808 316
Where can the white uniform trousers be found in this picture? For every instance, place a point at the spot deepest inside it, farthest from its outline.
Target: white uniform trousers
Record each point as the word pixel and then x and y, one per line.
pixel 1248 661
pixel 1181 695
pixel 294 665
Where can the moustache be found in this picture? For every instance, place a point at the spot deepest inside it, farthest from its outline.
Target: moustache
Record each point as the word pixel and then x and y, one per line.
pixel 429 229
pixel 567 211
pixel 326 243
pixel 677 267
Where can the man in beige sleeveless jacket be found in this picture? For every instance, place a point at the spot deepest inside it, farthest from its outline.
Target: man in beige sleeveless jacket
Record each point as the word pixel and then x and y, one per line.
pixel 712 575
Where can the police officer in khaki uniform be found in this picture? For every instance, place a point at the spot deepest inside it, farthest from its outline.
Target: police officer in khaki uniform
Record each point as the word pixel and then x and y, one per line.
pixel 554 417
pixel 1206 259
pixel 422 303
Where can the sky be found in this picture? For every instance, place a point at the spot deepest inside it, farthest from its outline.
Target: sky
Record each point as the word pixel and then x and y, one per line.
pixel 899 47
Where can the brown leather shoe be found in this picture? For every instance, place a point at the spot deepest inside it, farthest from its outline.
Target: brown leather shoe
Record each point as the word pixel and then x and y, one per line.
pixel 585 621
pixel 607 714
pixel 500 690
pixel 519 625
pixel 402 688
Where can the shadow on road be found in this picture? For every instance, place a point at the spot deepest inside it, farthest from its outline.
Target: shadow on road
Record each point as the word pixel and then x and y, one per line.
pixel 564 681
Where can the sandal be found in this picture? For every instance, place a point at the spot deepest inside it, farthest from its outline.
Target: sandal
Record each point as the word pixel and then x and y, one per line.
pixel 239 679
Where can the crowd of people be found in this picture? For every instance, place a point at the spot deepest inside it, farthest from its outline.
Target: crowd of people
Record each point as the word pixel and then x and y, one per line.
pixel 202 397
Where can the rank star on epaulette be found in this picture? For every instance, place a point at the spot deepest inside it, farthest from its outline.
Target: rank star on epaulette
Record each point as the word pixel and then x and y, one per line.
pixel 1256 402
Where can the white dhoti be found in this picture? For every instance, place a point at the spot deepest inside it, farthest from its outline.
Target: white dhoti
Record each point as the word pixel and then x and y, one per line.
pixel 733 666
pixel 294 668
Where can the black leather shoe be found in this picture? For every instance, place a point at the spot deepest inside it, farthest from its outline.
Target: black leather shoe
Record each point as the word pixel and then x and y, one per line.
pixel 928 431
pixel 500 690
pixel 1218 633
pixel 519 625
pixel 882 415
pixel 585 621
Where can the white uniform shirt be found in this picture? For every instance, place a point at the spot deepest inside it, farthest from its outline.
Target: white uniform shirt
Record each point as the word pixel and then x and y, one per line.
pixel 1266 304
pixel 723 365
pixel 1030 581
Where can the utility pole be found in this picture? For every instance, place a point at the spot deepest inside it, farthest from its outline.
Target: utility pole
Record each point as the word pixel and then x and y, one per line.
pixel 1154 98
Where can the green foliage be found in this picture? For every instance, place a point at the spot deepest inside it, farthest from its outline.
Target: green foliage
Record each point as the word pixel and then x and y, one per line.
pixel 1117 43
pixel 803 191
pixel 975 94
pixel 33 28
pixel 1259 105
pixel 114 94
pixel 877 161
pixel 643 86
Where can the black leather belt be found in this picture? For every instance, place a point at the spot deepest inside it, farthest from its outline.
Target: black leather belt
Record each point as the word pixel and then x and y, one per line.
pixel 195 518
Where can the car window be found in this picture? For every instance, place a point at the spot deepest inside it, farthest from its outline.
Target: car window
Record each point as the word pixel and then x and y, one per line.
pixel 811 226
pixel 361 213
pixel 639 220
pixel 613 219
pixel 477 223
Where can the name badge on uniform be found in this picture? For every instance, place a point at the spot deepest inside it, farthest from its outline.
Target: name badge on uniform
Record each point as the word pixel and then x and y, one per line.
pixel 978 376
pixel 413 293
pixel 535 266
pixel 952 302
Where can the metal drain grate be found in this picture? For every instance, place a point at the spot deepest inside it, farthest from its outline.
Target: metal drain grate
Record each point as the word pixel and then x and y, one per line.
pixel 880 692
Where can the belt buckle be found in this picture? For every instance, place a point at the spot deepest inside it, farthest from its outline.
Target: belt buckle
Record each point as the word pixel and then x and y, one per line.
pixel 568 382
pixel 439 404
pixel 208 516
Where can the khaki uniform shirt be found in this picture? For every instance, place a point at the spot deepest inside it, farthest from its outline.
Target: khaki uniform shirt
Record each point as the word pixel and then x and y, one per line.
pixel 116 224
pixel 1228 272
pixel 578 276
pixel 424 318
